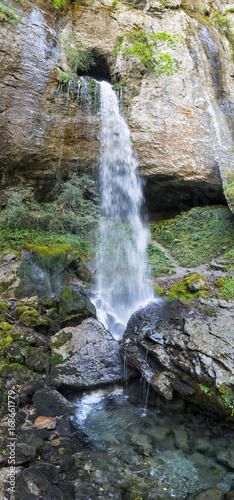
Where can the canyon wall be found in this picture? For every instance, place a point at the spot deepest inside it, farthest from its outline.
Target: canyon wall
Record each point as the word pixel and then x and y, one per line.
pixel 181 125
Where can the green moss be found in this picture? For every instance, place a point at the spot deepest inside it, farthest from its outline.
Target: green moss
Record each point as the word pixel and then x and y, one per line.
pixel 219 283
pixel 227 290
pixel 62 339
pixel 8 15
pixel 187 288
pixel 227 398
pixel 207 390
pixel 3 308
pixel 160 264
pixel 63 78
pixel 158 292
pixel 197 236
pixel 56 359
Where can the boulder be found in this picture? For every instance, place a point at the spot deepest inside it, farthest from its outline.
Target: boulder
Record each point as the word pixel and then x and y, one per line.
pixel 85 356
pixel 186 349
pixel 32 483
pixel 51 403
pixel 74 306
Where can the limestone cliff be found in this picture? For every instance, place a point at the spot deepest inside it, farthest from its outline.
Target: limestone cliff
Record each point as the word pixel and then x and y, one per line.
pixel 182 124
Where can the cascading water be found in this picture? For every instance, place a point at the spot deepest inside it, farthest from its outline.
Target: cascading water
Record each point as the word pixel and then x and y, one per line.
pixel 122 265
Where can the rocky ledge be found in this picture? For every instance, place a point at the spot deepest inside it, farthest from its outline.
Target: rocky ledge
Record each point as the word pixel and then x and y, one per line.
pixel 185 348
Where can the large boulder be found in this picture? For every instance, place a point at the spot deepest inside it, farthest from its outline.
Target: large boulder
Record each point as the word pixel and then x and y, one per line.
pixel 186 348
pixel 85 356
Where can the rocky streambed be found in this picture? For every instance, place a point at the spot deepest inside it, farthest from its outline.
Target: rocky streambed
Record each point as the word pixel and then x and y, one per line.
pixel 149 417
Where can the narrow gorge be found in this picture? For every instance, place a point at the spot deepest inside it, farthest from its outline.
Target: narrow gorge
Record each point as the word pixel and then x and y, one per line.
pixel 116 249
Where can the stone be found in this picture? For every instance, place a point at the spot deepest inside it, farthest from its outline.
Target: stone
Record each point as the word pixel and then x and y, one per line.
pixel 86 271
pixel 177 122
pixel 177 348
pixel 85 356
pixel 208 494
pixel 45 423
pixel 75 306
pixel 230 494
pixel 226 458
pixel 48 470
pixel 32 481
pixel 181 438
pixel 51 403
pixel 24 453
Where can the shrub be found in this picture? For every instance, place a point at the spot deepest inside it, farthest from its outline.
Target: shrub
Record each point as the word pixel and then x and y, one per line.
pixel 146 47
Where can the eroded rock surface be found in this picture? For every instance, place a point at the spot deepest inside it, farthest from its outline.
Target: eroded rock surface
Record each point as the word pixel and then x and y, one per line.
pixel 85 356
pixel 186 348
pixel 181 125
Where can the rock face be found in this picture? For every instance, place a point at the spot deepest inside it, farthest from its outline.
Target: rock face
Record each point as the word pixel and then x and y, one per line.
pixel 185 348
pixel 85 356
pixel 181 125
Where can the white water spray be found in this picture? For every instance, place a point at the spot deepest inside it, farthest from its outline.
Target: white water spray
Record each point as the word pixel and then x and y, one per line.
pixel 122 264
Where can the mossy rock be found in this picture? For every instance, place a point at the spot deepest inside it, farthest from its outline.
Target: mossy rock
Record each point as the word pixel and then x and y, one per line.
pixel 219 283
pixel 75 306
pixel 193 286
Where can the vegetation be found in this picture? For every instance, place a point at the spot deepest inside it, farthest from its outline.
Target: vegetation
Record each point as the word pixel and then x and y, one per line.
pixel 159 263
pixel 59 3
pixel 229 186
pixel 8 15
pixel 79 59
pixel 68 223
pixel 227 290
pixel 223 25
pixel 197 236
pixel 147 48
pixel 193 286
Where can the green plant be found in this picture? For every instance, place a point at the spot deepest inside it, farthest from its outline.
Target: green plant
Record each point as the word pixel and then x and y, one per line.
pixel 223 25
pixel 197 236
pixel 80 59
pixel 187 288
pixel 227 291
pixel 114 4
pixel 159 263
pixel 8 15
pixel 146 47
pixel 59 3
pixel 63 77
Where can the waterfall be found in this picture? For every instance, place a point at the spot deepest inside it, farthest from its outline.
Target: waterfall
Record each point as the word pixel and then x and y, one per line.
pixel 122 263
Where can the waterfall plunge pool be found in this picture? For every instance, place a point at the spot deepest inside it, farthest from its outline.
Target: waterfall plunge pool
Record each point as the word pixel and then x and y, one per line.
pixel 137 451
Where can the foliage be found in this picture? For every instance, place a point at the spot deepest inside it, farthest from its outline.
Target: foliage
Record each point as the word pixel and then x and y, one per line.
pixel 159 263
pixel 229 184
pixel 8 15
pixel 146 47
pixel 80 59
pixel 223 25
pixel 197 236
pixel 227 290
pixel 63 77
pixel 59 3
pixel 68 222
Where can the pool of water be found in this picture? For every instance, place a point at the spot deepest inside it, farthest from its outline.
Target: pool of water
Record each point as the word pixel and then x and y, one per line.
pixel 138 451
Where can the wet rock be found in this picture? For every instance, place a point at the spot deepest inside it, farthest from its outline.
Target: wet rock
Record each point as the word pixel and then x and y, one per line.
pixel 50 403
pixel 203 446
pixel 230 494
pixel 226 458
pixel 181 438
pixel 45 423
pixel 32 386
pixel 5 474
pixel 65 427
pixel 85 356
pixel 48 470
pixel 86 271
pixel 33 483
pixel 74 307
pixel 185 348
pixel 24 453
pixel 208 494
